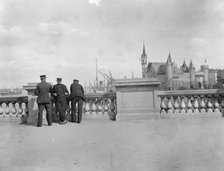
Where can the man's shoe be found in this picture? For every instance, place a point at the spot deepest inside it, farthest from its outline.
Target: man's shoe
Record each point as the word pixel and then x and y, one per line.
pixel 64 122
pixel 49 124
pixel 38 125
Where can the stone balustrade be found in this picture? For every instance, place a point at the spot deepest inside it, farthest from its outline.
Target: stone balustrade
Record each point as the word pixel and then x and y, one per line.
pixel 14 107
pixel 198 102
pixel 97 106
pixel 100 105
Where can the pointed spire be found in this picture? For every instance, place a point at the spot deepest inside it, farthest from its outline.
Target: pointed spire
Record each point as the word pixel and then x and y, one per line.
pixel 191 64
pixel 143 53
pixel 169 60
pixel 184 64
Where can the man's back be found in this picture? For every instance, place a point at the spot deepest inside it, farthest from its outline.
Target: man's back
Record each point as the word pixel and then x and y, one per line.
pixel 42 91
pixel 76 91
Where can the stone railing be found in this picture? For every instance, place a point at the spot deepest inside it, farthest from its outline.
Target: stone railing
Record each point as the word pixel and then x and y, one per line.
pixel 96 106
pixel 100 105
pixel 14 107
pixel 198 102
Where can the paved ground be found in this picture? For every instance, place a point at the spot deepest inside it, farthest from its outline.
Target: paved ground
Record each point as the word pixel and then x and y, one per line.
pixel 174 144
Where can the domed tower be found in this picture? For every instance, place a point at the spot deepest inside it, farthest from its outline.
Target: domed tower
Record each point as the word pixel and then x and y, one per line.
pixel 144 62
pixel 192 73
pixel 169 72
pixel 204 69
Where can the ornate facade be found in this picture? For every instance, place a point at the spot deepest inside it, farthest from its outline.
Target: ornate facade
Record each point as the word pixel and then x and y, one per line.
pixel 173 77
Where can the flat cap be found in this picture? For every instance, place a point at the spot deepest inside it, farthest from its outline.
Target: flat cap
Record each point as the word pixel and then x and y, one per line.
pixel 76 80
pixel 43 76
pixel 59 79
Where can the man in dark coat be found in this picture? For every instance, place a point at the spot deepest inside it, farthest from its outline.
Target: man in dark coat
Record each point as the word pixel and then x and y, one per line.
pixel 43 91
pixel 76 96
pixel 60 93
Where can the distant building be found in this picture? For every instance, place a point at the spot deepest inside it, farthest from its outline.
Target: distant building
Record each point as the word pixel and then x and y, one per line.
pixel 173 77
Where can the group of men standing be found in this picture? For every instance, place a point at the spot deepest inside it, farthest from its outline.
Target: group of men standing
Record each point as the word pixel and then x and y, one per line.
pixel 61 96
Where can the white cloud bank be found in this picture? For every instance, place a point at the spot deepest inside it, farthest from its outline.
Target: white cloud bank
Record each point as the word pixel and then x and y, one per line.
pixel 96 2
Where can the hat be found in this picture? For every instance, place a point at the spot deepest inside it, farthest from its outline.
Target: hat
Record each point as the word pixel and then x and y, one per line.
pixel 43 76
pixel 59 79
pixel 76 80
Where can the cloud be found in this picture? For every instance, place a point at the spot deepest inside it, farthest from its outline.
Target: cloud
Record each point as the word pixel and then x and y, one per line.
pixel 60 27
pixel 1 8
pixel 12 36
pixel 198 42
pixel 96 2
pixel 218 6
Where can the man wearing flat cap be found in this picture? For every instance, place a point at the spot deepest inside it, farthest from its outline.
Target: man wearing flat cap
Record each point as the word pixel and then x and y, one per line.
pixel 43 91
pixel 76 96
pixel 60 93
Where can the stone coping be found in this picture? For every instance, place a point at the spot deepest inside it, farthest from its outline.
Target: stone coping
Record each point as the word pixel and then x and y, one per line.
pixel 135 82
pixel 18 98
pixel 191 92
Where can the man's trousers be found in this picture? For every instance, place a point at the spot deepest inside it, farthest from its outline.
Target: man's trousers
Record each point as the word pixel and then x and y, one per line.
pixel 61 106
pixel 48 108
pixel 78 118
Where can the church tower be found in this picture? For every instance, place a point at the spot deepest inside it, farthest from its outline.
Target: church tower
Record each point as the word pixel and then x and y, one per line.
pixel 144 62
pixel 204 69
pixel 192 73
pixel 169 72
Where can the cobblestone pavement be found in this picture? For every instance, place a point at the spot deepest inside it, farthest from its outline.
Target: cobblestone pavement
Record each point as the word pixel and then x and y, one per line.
pixel 166 145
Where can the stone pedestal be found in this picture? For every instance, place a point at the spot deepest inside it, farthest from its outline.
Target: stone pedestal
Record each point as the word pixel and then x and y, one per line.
pixel 32 104
pixel 137 98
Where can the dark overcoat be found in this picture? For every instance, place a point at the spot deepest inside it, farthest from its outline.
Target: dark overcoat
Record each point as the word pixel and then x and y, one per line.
pixel 43 90
pixel 60 90
pixel 76 91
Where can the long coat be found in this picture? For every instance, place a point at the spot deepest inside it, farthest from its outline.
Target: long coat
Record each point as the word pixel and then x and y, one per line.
pixel 42 91
pixel 76 91
pixel 60 90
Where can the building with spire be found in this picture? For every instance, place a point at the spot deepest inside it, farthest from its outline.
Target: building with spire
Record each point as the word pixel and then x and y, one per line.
pixel 144 61
pixel 173 77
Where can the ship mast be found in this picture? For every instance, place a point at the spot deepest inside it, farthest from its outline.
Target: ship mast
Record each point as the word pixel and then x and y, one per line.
pixel 96 75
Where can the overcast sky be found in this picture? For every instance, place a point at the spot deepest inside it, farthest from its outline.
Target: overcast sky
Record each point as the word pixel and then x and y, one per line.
pixel 62 38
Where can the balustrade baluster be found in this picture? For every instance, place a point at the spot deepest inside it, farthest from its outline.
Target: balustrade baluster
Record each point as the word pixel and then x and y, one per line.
pixel 24 112
pixel 94 109
pixel 183 105
pixel 87 109
pixel 202 105
pixel 10 109
pixel 99 108
pixel 189 105
pixel 7 111
pixel 176 105
pixel 4 109
pixel 112 110
pixel 196 105
pixel 216 104
pixel 1 111
pixel 17 109
pixel 106 107
pixel 169 105
pixel 209 105
pixel 163 105
pixel 21 111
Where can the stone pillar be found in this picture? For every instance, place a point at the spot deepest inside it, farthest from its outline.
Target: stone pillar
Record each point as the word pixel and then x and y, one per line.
pixel 32 104
pixel 137 98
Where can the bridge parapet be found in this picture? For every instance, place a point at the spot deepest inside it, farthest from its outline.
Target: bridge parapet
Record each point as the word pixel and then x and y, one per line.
pixel 14 107
pixel 196 102
pixel 101 105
